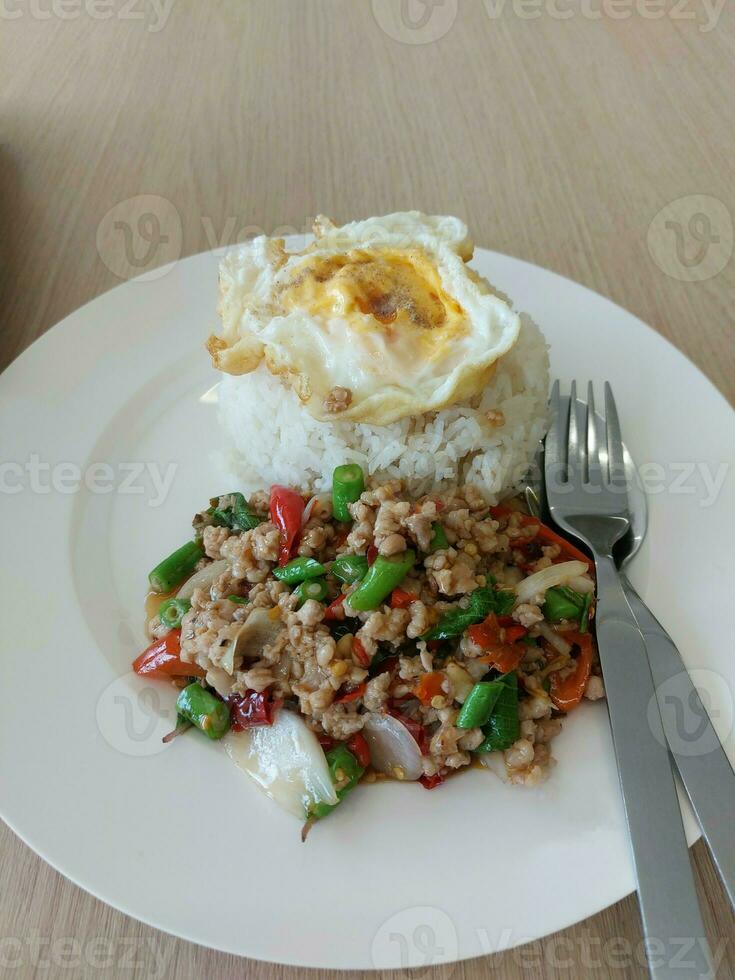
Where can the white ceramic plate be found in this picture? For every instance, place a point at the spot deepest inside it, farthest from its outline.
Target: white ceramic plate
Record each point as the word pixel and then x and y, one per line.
pixel 175 835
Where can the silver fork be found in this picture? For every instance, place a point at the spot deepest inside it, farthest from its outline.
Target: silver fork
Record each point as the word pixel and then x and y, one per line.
pixel 587 497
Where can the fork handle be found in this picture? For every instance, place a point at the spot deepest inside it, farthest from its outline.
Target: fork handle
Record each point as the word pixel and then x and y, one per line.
pixel 672 922
pixel 703 765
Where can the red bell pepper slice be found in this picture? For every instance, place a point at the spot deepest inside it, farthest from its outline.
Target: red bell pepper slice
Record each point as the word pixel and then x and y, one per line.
pixel 401 599
pixel 504 658
pixel 162 659
pixel 358 746
pixel 287 509
pixel 351 695
pixel 251 710
pixel 429 686
pixel 567 692
pixel 500 642
pixel 335 609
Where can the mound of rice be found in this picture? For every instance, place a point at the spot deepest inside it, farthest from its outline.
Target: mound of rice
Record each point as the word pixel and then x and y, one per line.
pixel 272 439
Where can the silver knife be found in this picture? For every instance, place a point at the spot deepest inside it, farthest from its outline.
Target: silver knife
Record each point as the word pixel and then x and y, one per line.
pixel 700 759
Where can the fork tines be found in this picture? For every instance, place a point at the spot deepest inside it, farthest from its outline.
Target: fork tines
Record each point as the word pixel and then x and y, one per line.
pixel 580 445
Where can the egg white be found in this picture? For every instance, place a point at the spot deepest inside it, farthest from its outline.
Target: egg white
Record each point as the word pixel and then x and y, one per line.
pixel 322 342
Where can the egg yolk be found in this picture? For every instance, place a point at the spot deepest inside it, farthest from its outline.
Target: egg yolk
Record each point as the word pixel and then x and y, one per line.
pixel 399 290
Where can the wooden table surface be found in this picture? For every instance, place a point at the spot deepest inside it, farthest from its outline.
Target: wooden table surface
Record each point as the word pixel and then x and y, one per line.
pixel 594 138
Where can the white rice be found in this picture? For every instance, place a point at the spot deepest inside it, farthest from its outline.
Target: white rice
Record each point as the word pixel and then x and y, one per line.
pixel 273 439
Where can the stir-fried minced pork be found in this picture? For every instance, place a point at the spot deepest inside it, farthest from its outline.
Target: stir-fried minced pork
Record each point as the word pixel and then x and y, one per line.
pixel 446 633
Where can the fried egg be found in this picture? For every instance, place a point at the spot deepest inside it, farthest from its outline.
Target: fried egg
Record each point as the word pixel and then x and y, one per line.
pixel 374 321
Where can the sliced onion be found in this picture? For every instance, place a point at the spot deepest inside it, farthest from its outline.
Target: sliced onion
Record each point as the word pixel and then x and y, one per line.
pixel 538 583
pixel 318 498
pixel 220 680
pixel 203 579
pixel 554 638
pixel 248 640
pixel 582 584
pixel 392 746
pixel 495 762
pixel 286 760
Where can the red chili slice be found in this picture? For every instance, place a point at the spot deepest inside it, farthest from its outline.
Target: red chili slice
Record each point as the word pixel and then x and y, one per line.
pixel 351 695
pixel 251 710
pixel 162 659
pixel 335 609
pixel 358 746
pixel 401 599
pixel 286 508
pixel 363 657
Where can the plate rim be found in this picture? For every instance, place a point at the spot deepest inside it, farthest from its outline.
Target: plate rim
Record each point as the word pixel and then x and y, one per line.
pixel 37 348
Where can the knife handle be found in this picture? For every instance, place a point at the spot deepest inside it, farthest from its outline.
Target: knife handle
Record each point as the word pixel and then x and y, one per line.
pixel 703 766
pixel 667 895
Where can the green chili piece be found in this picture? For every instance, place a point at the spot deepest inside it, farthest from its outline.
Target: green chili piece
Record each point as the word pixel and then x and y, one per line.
pixel 384 575
pixel 439 540
pixel 505 599
pixel 178 566
pixel 172 611
pixel 503 727
pixel 350 568
pixel 348 482
pixel 240 600
pixel 584 619
pixel 199 706
pixel 562 603
pixel 299 570
pixel 346 773
pixel 315 588
pixel 483 601
pixel 235 514
pixel 479 704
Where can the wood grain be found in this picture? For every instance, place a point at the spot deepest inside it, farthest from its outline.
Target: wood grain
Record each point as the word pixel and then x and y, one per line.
pixel 559 141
